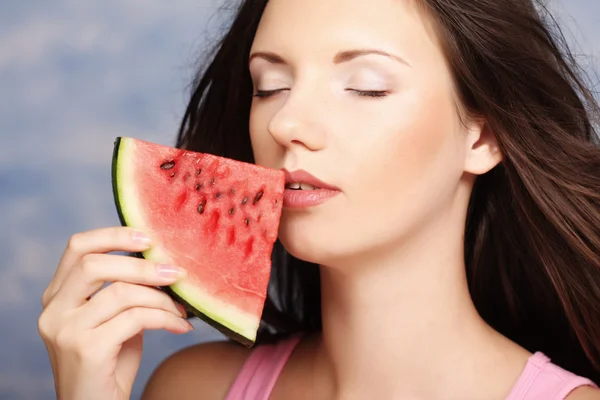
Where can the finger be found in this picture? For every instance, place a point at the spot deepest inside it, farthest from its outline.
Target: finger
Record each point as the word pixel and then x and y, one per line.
pixel 120 296
pixel 95 270
pixel 132 321
pixel 101 240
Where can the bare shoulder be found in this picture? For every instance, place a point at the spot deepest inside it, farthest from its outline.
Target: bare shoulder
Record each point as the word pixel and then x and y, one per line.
pixel 204 371
pixel 584 393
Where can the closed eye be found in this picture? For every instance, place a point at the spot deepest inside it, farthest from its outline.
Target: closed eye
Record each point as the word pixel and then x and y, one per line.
pixel 364 93
pixel 268 93
pixel 370 93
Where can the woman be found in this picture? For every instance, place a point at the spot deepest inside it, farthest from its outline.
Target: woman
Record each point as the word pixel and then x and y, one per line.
pixel 457 244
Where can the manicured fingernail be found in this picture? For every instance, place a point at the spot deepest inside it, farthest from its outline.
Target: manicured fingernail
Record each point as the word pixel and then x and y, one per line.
pixel 181 310
pixel 141 238
pixel 170 271
pixel 187 325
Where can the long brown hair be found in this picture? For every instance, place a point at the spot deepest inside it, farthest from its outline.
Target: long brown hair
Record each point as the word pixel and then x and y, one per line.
pixel 532 240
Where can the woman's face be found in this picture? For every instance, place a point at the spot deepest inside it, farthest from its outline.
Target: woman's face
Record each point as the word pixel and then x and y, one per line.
pixel 358 94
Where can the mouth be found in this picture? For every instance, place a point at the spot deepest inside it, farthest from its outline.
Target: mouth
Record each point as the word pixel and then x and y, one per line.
pixel 300 186
pixel 303 180
pixel 303 190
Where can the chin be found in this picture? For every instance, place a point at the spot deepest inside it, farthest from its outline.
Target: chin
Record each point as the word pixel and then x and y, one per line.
pixel 316 240
pixel 305 239
pixel 340 245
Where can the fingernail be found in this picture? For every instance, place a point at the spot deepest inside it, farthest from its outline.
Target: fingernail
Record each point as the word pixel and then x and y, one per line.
pixel 141 238
pixel 187 325
pixel 170 271
pixel 181 310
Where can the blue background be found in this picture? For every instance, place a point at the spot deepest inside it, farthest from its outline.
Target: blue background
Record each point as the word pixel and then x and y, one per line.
pixel 73 75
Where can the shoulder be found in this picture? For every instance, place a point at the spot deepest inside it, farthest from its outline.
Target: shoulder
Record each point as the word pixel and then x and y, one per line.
pixel 584 393
pixel 207 368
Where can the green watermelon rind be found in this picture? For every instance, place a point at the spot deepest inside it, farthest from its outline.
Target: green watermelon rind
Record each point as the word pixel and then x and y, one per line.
pixel 219 316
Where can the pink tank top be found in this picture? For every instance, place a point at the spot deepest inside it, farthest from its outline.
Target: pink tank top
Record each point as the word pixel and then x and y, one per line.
pixel 540 379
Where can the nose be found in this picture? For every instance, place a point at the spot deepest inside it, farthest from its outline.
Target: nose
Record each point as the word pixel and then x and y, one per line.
pixel 296 123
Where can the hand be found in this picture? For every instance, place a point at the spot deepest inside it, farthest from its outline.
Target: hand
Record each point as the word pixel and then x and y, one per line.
pixel 94 334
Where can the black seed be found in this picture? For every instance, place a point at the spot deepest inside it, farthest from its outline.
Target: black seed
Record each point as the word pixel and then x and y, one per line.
pixel 245 200
pixel 172 174
pixel 199 186
pixel 201 206
pixel 218 195
pixel 199 172
pixel 259 196
pixel 247 221
pixel 212 181
pixel 231 211
pixel 168 165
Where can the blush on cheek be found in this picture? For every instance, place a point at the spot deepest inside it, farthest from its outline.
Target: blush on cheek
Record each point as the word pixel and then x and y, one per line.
pixel 418 166
pixel 431 140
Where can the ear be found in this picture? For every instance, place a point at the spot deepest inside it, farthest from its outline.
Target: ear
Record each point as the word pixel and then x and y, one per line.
pixel 482 152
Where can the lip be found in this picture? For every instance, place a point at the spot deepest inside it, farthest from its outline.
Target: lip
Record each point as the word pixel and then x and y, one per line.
pixel 302 176
pixel 307 198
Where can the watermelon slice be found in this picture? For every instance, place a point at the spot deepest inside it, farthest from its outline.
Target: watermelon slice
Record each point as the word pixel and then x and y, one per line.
pixel 214 216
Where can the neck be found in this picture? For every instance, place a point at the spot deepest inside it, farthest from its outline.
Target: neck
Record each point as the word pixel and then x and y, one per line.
pixel 405 324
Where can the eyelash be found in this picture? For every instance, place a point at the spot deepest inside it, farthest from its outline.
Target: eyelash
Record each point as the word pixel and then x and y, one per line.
pixel 362 93
pixel 370 93
pixel 267 93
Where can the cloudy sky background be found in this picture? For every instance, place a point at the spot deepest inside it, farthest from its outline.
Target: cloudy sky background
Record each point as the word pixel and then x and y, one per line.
pixel 73 75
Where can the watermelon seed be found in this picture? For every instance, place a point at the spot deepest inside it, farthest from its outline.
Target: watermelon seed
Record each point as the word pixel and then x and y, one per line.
pixel 218 195
pixel 172 174
pixel 231 191
pixel 199 186
pixel 201 206
pixel 259 196
pixel 247 221
pixel 231 211
pixel 199 172
pixel 167 165
pixel 245 200
pixel 212 181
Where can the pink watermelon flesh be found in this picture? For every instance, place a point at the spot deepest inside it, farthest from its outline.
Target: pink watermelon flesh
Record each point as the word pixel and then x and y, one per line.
pixel 214 216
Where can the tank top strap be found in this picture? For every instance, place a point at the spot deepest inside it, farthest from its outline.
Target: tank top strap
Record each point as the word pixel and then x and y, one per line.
pixel 543 380
pixel 260 371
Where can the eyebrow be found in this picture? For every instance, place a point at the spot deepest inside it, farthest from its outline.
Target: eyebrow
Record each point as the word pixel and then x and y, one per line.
pixel 341 57
pixel 349 55
pixel 267 55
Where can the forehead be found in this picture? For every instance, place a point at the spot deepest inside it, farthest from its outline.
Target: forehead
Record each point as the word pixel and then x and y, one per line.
pixel 327 26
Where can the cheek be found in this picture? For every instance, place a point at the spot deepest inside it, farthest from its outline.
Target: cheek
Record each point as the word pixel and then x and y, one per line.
pixel 402 169
pixel 408 149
